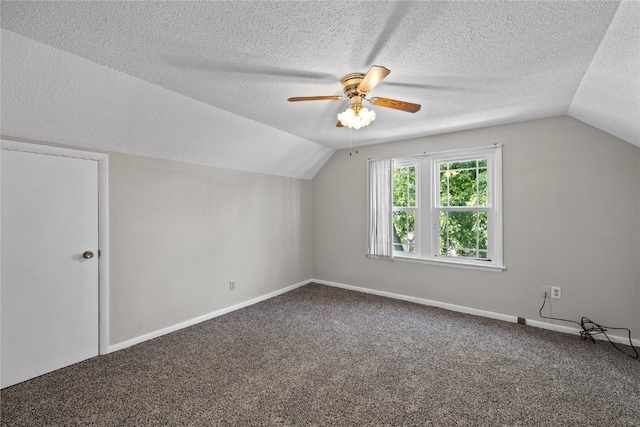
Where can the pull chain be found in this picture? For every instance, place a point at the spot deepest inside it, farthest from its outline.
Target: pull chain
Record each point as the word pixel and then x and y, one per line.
pixel 357 142
pixel 351 143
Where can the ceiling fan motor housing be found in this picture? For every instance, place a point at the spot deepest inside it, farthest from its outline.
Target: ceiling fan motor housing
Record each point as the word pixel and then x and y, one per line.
pixel 350 84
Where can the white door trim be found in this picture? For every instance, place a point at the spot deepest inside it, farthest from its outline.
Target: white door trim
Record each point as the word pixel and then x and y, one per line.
pixel 103 222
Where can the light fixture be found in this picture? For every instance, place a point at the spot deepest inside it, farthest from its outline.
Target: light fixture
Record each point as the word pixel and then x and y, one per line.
pixel 356 116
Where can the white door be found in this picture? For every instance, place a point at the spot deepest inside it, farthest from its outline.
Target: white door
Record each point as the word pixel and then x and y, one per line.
pixel 49 291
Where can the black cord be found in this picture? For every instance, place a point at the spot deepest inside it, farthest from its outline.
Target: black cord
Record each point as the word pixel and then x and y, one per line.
pixel 589 329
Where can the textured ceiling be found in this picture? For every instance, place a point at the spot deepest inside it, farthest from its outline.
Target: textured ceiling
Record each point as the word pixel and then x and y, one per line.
pixel 208 82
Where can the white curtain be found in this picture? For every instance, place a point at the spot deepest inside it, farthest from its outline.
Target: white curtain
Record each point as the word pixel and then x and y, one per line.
pixel 379 236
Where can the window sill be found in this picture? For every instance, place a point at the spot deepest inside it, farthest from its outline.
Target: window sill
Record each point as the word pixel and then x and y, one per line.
pixel 452 263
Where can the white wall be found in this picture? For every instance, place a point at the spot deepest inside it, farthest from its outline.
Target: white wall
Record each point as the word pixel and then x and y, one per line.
pixel 180 232
pixel 571 219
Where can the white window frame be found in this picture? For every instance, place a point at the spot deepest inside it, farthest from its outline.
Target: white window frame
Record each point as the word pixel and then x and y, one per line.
pixel 428 196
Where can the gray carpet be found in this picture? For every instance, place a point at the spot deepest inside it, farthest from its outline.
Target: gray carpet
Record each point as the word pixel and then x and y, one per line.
pixel 320 356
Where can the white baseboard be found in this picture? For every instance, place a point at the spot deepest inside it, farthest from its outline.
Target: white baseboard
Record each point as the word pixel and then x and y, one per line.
pixel 199 319
pixel 423 301
pixel 482 313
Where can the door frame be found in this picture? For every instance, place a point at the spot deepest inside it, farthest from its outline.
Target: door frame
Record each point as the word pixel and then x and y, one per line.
pixel 14 144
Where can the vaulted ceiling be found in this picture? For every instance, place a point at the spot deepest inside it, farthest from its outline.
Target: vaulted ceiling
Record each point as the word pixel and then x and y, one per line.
pixel 208 82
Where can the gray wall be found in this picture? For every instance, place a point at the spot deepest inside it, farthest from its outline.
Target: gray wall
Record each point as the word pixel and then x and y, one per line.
pixel 180 232
pixel 571 219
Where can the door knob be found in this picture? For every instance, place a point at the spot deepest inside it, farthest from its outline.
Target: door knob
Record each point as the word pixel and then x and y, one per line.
pixel 87 255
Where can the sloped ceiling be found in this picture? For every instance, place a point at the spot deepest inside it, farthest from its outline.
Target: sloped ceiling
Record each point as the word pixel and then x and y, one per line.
pixel 208 82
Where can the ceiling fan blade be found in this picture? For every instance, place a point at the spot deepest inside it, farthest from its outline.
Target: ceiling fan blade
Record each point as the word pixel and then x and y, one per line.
pixel 398 105
pixel 373 77
pixel 316 98
pixel 339 124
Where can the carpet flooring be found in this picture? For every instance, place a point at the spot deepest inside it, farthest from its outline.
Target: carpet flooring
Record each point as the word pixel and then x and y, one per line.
pixel 322 356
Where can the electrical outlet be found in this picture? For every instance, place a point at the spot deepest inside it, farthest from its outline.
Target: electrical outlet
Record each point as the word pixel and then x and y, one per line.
pixel 232 285
pixel 556 292
pixel 545 291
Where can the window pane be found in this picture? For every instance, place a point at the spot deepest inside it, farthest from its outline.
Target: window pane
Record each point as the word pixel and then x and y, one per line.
pixel 482 232
pixel 463 183
pixel 482 187
pixel 444 189
pixel 404 186
pixel 411 187
pixel 404 231
pixel 471 164
pixel 463 234
pixel 466 253
pixel 462 188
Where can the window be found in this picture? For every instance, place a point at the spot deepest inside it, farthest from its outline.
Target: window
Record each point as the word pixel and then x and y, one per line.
pixel 447 208
pixel 461 209
pixel 404 206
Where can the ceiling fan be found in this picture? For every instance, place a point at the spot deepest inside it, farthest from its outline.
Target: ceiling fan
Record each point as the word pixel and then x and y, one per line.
pixel 356 86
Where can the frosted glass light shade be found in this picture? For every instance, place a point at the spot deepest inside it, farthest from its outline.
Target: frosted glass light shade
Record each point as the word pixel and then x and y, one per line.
pixel 356 118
